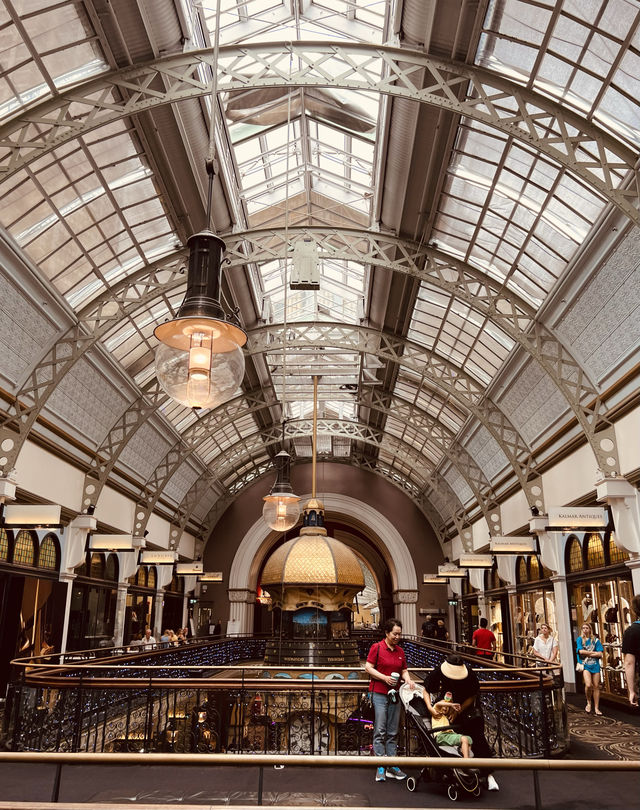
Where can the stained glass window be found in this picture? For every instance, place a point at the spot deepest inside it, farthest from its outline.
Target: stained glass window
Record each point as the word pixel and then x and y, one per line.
pixel 595 551
pixel 24 552
pixel 574 555
pixel 152 578
pixel 616 554
pixel 4 545
pixel 97 565
pixel 522 574
pixel 111 568
pixel 48 556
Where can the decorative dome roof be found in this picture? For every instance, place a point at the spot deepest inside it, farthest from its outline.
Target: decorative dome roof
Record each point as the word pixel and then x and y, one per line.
pixel 313 559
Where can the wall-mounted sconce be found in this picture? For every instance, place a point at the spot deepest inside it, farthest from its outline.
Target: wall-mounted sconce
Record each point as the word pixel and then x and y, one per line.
pixel 27 516
pixel 514 545
pixel 433 579
pixel 157 557
pixel 211 576
pixel 110 542
pixel 475 561
pixel 451 571
pixel 189 569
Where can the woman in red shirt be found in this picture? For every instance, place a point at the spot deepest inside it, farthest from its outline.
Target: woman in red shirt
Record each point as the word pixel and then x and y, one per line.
pixel 386 657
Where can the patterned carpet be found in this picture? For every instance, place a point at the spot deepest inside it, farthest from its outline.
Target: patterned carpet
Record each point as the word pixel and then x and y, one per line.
pixel 612 738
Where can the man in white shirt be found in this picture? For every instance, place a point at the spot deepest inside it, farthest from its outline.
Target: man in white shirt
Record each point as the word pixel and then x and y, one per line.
pixel 148 641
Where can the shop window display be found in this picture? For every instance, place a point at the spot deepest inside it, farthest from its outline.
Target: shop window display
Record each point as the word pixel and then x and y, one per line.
pixel 531 608
pixel 605 606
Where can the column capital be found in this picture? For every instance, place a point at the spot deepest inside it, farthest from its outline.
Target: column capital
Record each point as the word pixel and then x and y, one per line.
pixel 405 597
pixel 241 595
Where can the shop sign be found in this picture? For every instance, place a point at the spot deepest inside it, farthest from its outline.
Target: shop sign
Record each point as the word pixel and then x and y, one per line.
pixel 574 517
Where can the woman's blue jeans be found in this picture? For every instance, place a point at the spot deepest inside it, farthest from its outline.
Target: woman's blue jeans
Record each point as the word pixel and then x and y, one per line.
pixel 385 725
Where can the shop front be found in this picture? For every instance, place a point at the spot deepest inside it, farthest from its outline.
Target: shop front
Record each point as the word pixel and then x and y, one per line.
pixel 140 610
pixel 32 600
pixel 532 605
pixel 600 592
pixel 93 602
pixel 468 614
pixel 497 603
pixel 173 605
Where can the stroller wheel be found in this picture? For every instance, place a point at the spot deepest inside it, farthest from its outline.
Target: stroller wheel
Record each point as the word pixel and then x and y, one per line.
pixel 452 793
pixel 410 783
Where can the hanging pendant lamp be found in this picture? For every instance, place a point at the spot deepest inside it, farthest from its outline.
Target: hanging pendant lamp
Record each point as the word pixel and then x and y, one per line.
pixel 281 508
pixel 200 362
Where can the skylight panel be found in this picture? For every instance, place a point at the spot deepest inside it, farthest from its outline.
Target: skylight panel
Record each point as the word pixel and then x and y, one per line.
pixel 579 60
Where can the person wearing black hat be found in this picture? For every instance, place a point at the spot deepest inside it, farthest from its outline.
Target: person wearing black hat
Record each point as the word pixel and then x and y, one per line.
pixel 454 676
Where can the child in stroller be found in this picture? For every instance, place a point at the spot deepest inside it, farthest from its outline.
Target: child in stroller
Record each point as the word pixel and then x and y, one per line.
pixel 459 781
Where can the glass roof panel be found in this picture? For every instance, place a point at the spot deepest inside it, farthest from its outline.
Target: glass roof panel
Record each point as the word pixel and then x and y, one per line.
pixel 579 61
pixel 512 212
pixel 44 46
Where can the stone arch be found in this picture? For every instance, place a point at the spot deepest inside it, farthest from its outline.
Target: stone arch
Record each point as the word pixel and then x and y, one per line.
pixel 255 544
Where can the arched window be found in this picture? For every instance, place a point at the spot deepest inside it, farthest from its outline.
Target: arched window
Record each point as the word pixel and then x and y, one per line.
pixel 616 554
pixel 152 577
pixel 111 568
pixel 176 585
pixel 595 551
pixel 4 545
pixel 96 566
pixel 494 579
pixel 141 577
pixel 24 550
pixel 521 570
pixel 573 553
pixel 48 555
pixel 534 569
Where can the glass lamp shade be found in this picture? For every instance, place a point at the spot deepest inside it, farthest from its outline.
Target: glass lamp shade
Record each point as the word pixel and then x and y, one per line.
pixel 199 361
pixel 281 511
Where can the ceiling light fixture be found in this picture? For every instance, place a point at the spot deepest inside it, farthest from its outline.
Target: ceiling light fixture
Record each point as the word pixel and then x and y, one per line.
pixel 199 361
pixel 281 508
pixel 433 579
pixel 189 569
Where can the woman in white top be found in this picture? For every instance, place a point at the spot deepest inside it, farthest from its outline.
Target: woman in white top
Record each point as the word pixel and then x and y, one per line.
pixel 545 647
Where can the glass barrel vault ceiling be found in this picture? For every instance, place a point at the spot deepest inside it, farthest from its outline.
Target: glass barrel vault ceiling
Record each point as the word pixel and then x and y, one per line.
pixel 91 213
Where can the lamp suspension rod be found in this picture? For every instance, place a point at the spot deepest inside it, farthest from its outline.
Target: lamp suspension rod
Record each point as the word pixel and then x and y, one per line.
pixel 213 116
pixel 315 437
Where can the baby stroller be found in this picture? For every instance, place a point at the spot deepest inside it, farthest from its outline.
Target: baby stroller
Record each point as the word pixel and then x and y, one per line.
pixel 458 781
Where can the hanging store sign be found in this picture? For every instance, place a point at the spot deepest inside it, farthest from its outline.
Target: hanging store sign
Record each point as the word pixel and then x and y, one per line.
pixel 575 517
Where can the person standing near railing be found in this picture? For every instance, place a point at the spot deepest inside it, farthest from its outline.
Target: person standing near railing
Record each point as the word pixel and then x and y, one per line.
pixel 631 652
pixel 484 640
pixel 545 647
pixel 386 665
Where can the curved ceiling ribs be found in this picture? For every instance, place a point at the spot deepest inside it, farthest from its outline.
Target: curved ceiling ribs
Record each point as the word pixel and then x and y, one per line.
pixel 575 143
pixel 502 306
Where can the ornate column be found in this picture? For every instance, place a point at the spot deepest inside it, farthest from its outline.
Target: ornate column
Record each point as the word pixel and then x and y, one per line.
pixel 563 629
pixel 404 608
pixel 73 551
pixel 121 607
pixel 241 604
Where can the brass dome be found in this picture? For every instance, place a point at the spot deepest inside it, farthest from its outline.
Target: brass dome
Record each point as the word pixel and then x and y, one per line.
pixel 313 559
